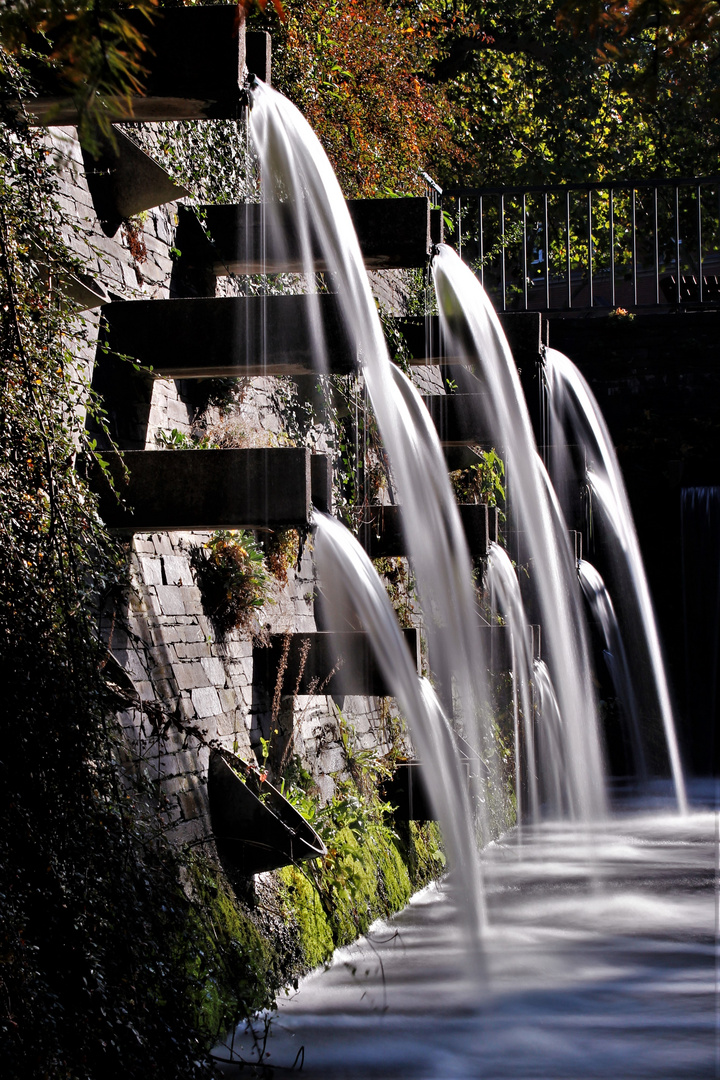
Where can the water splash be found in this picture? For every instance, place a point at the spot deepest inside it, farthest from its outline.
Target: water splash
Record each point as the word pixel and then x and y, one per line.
pixel 603 611
pixel 473 331
pixel 574 410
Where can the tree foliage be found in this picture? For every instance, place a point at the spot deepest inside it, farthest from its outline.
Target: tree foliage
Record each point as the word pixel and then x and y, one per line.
pixel 360 71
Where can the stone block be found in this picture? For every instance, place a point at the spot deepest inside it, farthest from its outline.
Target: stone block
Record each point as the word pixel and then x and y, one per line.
pixel 193 651
pixel 151 570
pixel 206 701
pixel 214 670
pixel 176 570
pixel 171 599
pixel 194 802
pixel 228 700
pixel 190 676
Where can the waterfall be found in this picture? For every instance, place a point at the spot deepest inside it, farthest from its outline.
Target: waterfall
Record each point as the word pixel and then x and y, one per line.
pixel 471 327
pixel 356 589
pixel 502 581
pixel 575 414
pixel 615 655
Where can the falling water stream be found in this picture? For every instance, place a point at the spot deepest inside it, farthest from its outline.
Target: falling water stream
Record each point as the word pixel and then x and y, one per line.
pixel 592 934
pixel 573 409
pixel 603 611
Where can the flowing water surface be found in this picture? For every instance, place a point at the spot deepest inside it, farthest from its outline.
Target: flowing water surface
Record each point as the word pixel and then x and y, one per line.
pixel 600 961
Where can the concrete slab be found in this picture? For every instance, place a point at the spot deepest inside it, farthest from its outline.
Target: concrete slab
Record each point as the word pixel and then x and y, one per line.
pixel 335 664
pixel 195 66
pixel 206 489
pixel 209 337
pixel 247 239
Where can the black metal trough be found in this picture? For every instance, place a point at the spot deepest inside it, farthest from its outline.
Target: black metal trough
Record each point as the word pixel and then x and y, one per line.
pixel 215 337
pixel 525 331
pixel 123 181
pixel 255 827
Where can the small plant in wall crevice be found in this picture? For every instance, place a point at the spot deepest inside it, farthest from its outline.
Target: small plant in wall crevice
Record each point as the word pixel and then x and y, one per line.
pixel 233 579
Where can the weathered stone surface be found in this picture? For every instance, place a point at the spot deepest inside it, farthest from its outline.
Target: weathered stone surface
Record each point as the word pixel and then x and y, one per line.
pixel 206 701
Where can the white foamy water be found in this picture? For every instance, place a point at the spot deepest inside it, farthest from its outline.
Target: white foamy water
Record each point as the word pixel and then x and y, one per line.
pixel 600 952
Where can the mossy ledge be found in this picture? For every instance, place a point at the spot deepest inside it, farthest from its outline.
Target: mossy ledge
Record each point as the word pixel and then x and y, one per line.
pixel 240 947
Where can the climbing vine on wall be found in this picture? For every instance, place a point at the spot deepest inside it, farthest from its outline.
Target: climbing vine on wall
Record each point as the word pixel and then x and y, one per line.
pixel 94 925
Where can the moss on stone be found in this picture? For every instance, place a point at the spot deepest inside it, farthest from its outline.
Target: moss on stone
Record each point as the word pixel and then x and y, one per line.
pixel 232 965
pixel 421 847
pixel 304 907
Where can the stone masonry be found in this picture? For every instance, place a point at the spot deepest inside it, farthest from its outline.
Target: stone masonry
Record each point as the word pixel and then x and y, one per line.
pixel 182 688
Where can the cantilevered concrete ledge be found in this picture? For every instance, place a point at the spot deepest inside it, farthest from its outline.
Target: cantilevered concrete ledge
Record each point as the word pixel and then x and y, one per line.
pixel 253 238
pixel 525 331
pixel 324 663
pixel 382 536
pixel 207 489
pixel 195 67
pixel 229 336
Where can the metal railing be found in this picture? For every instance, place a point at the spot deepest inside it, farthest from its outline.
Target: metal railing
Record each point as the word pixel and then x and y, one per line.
pixel 630 244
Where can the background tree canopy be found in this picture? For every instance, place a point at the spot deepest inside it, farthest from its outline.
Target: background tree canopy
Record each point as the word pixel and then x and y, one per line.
pixel 482 91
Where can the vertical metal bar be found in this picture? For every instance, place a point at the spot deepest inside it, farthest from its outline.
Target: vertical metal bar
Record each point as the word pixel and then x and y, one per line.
pixel 546 248
pixel 567 248
pixel 524 253
pixel 633 246
pixel 612 247
pixel 459 221
pixel 502 241
pixel 678 275
pixel 699 240
pixel 656 236
pixel 590 248
pixel 481 241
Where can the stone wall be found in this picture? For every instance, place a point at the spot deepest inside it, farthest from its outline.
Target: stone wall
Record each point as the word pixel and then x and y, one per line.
pixel 184 687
